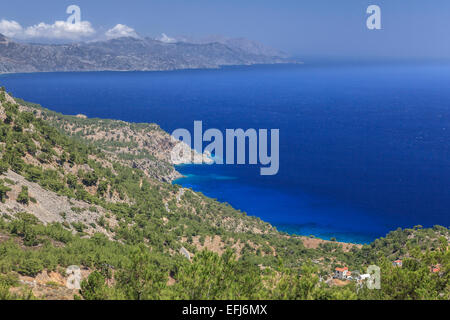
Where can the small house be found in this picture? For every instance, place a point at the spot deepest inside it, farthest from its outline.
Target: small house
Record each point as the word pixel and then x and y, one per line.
pixel 436 269
pixel 341 273
pixel 397 263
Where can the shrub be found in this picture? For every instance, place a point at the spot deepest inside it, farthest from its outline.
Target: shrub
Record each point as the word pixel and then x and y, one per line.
pixel 30 267
pixel 23 196
pixel 3 190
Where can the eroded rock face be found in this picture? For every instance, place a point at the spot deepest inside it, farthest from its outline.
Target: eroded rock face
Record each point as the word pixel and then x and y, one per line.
pixel 49 285
pixel 51 207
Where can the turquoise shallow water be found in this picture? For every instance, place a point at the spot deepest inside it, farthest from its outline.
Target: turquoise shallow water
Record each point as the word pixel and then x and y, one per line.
pixel 363 148
pixel 279 207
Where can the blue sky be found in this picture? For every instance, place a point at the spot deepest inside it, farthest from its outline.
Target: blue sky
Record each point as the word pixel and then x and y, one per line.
pixel 410 29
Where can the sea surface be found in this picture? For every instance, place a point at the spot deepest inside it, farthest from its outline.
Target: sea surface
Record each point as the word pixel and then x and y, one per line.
pixel 364 149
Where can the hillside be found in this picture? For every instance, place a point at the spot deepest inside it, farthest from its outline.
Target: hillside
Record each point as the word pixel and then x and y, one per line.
pixel 129 54
pixel 95 193
pixel 137 145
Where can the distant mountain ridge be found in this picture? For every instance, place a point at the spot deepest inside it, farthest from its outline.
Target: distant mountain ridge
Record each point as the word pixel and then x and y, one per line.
pixel 246 45
pixel 132 54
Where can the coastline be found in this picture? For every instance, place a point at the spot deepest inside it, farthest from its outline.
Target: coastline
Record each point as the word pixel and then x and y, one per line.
pixel 157 70
pixel 309 231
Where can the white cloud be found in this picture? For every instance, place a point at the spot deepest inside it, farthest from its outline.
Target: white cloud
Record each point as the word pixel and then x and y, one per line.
pixel 121 30
pixel 10 28
pixel 60 30
pixel 166 39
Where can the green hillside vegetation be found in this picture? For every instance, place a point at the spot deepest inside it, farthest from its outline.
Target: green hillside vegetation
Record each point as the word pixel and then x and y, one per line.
pixel 126 142
pixel 132 251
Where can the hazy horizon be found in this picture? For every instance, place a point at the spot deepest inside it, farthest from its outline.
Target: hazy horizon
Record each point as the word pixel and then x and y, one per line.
pixel 412 30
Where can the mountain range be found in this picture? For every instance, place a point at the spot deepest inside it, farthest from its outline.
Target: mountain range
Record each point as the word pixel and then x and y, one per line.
pixel 133 54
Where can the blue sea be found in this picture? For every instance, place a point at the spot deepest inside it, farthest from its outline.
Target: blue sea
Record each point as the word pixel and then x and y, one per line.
pixel 364 149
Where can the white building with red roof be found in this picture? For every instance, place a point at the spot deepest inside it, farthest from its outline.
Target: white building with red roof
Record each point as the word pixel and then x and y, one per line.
pixel 397 263
pixel 341 273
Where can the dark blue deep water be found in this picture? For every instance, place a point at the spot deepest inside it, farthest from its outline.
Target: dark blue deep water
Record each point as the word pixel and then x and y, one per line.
pixel 363 149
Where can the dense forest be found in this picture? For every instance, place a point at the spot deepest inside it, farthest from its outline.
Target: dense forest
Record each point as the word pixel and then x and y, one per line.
pixel 70 198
